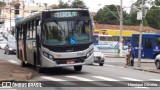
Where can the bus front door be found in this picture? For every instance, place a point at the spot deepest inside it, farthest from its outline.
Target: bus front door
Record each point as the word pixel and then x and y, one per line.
pixel 147 51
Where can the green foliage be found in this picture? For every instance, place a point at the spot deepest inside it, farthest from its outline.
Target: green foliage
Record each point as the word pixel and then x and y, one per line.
pixel 153 17
pixel 62 5
pixel 157 2
pixel 104 16
pixel 74 4
pixel 78 4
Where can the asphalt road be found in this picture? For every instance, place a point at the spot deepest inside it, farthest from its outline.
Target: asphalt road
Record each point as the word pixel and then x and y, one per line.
pixel 111 75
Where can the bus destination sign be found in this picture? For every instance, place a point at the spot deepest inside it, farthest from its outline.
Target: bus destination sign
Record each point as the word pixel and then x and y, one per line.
pixel 64 14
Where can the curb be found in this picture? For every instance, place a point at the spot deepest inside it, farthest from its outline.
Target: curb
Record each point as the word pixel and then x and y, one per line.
pixel 114 57
pixel 153 71
pixel 7 80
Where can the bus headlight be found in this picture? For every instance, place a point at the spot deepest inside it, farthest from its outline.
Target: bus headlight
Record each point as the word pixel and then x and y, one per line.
pixel 90 53
pixel 10 49
pixel 102 55
pixel 48 55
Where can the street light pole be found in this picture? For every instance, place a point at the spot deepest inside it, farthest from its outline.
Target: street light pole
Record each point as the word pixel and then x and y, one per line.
pixel 10 17
pixel 140 36
pixel 121 28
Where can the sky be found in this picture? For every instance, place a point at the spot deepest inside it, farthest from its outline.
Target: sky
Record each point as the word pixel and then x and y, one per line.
pixel 93 5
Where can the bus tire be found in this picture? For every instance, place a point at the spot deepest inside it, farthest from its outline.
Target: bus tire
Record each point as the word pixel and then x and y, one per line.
pixel 100 64
pixel 8 52
pixel 157 63
pixel 39 69
pixel 78 68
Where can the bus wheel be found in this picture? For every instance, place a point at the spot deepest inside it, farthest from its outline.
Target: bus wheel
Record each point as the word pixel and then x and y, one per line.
pixel 23 63
pixel 78 68
pixel 8 52
pixel 39 69
pixel 157 64
pixel 100 64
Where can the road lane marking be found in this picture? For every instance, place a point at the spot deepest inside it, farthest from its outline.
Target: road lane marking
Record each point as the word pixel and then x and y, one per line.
pixel 51 78
pixel 114 66
pixel 131 79
pixel 88 80
pixel 105 78
pixel 62 81
pixel 142 87
pixel 79 78
pixel 154 79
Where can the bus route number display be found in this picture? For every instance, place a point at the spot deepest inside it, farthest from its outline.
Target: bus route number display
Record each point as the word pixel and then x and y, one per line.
pixel 64 14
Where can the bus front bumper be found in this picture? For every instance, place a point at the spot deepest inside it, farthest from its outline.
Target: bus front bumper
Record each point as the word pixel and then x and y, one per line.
pixel 51 63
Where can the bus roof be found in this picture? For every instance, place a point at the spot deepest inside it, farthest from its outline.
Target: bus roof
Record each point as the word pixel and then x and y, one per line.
pixel 37 14
pixel 65 9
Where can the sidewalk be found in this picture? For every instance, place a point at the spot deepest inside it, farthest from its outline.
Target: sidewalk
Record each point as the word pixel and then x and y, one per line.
pixel 147 66
pixel 12 72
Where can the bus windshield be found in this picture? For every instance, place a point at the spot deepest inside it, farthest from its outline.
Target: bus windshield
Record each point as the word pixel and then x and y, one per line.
pixel 105 38
pixel 60 32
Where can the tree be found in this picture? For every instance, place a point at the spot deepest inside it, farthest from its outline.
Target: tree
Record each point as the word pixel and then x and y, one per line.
pixel 62 5
pixel 105 15
pixel 157 2
pixel 78 4
pixel 152 15
pixel 135 7
pixel 74 4
pixel 153 18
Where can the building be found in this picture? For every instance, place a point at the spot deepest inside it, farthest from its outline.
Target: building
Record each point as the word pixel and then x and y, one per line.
pixel 8 13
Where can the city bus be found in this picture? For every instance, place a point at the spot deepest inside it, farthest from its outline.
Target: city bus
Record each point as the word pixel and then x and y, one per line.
pixel 102 41
pixel 109 41
pixel 55 38
pixel 150 45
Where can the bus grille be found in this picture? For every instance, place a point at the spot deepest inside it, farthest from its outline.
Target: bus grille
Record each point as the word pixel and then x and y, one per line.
pixel 69 48
pixel 64 61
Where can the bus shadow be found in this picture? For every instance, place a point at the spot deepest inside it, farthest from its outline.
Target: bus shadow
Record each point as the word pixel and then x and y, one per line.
pixel 58 71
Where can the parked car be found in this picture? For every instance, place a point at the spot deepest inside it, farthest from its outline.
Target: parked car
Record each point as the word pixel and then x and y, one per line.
pixel 3 42
pixel 11 45
pixel 5 34
pixel 98 56
pixel 157 61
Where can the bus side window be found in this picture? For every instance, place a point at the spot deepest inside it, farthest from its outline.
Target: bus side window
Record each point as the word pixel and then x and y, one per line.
pixel 157 40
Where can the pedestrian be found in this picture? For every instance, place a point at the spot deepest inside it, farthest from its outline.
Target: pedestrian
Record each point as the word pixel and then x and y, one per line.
pixel 128 55
pixel 132 56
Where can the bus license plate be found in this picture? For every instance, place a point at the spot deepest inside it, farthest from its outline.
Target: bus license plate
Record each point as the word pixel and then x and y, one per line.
pixel 70 62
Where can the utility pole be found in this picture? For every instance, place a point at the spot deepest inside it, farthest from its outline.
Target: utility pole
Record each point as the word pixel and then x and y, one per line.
pixel 23 8
pixel 10 15
pixel 121 28
pixel 140 36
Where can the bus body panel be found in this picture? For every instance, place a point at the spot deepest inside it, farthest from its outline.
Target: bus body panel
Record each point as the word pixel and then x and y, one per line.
pixel 62 58
pixel 32 49
pixel 149 47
